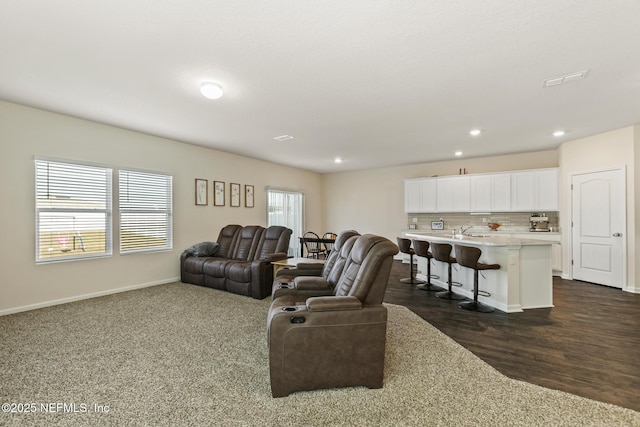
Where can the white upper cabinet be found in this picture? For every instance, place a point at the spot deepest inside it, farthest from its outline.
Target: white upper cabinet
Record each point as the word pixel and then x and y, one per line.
pixel 412 195
pixel 481 193
pixel 534 190
pixel 518 191
pixel 547 189
pixel 428 192
pixel 420 195
pixel 501 192
pixel 491 192
pixel 523 191
pixel 453 194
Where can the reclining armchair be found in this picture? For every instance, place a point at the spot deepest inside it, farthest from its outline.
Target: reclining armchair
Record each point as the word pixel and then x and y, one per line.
pixel 337 340
pixel 307 280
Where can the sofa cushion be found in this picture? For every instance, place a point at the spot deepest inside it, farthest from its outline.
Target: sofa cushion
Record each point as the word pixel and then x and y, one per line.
pixel 194 265
pixel 274 240
pixel 204 249
pixel 247 243
pixel 239 272
pixel 215 267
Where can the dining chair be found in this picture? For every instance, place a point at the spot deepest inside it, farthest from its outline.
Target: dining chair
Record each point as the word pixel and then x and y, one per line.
pixel 328 246
pixel 312 245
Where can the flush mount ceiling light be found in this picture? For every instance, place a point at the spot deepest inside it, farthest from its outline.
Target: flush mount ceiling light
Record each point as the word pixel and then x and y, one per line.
pixel 337 160
pixel 458 153
pixel 211 90
pixel 558 133
pixel 475 132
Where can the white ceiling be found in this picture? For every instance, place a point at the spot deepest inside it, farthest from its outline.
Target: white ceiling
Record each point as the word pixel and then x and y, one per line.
pixel 378 83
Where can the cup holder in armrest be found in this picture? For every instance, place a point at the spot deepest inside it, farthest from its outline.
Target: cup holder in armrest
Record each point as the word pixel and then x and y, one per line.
pixel 289 309
pixel 285 285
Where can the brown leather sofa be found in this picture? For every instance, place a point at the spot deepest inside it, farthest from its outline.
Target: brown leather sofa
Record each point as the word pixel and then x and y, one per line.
pixel 338 340
pixel 242 263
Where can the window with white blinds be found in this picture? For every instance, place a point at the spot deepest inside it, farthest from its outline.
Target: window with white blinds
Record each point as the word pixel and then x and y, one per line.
pixel 145 204
pixel 73 211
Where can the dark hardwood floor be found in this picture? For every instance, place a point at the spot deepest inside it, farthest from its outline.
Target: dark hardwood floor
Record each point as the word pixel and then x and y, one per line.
pixel 588 344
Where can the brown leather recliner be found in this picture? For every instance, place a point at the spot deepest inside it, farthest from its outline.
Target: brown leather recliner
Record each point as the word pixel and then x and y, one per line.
pixel 242 264
pixel 307 280
pixel 338 340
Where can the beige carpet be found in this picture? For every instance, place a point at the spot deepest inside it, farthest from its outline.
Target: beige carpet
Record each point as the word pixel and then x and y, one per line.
pixel 183 355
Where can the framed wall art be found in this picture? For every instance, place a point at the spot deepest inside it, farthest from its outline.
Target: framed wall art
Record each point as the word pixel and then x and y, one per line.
pixel 248 196
pixel 202 192
pixel 218 193
pixel 235 195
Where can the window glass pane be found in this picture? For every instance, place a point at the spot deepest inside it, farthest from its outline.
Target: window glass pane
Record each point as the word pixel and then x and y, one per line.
pixel 285 208
pixel 73 211
pixel 145 211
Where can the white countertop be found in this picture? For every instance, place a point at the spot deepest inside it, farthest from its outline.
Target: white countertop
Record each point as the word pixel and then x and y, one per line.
pixel 483 239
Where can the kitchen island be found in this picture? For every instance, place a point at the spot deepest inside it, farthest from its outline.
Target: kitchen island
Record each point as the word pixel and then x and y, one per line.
pixel 524 280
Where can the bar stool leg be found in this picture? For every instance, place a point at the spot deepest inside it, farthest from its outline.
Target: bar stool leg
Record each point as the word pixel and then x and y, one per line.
pixel 449 294
pixel 429 286
pixel 412 278
pixel 476 305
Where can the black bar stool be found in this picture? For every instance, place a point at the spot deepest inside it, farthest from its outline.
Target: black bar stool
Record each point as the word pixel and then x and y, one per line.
pixel 405 247
pixel 442 252
pixel 421 248
pixel 468 256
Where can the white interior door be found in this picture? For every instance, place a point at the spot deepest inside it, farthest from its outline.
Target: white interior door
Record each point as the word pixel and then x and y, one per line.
pixel 598 233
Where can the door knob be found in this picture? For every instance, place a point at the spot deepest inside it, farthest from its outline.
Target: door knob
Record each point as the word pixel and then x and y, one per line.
pixel 617 234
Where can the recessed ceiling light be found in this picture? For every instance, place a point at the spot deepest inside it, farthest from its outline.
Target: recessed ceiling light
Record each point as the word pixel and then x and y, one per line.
pixel 558 133
pixel 458 153
pixel 337 160
pixel 475 132
pixel 283 137
pixel 211 90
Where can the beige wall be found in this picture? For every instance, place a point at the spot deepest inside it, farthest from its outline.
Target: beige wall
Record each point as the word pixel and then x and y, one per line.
pixel 27 132
pixel 372 201
pixel 600 152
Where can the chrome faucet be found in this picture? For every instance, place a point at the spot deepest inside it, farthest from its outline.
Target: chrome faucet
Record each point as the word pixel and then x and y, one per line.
pixel 464 230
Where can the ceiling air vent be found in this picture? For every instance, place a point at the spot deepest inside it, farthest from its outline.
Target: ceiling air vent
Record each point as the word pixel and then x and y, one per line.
pixel 283 138
pixel 571 77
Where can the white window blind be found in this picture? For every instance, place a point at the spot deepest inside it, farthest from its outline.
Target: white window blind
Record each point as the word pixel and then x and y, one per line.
pixel 145 211
pixel 285 208
pixel 73 211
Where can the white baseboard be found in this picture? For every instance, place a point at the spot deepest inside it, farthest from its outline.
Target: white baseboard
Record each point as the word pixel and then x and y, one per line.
pixel 85 296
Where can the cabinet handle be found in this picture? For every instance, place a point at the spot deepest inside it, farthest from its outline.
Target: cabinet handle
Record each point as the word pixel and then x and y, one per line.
pixel 617 234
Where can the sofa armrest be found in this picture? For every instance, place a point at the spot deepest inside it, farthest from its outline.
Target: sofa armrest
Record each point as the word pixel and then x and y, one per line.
pixel 331 303
pixel 274 256
pixel 311 283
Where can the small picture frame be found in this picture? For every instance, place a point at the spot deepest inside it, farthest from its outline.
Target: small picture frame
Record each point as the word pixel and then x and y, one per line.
pixel 218 193
pixel 437 225
pixel 248 196
pixel 202 192
pixel 234 189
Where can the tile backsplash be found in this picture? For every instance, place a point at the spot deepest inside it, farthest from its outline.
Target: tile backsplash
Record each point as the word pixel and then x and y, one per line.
pixel 509 220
